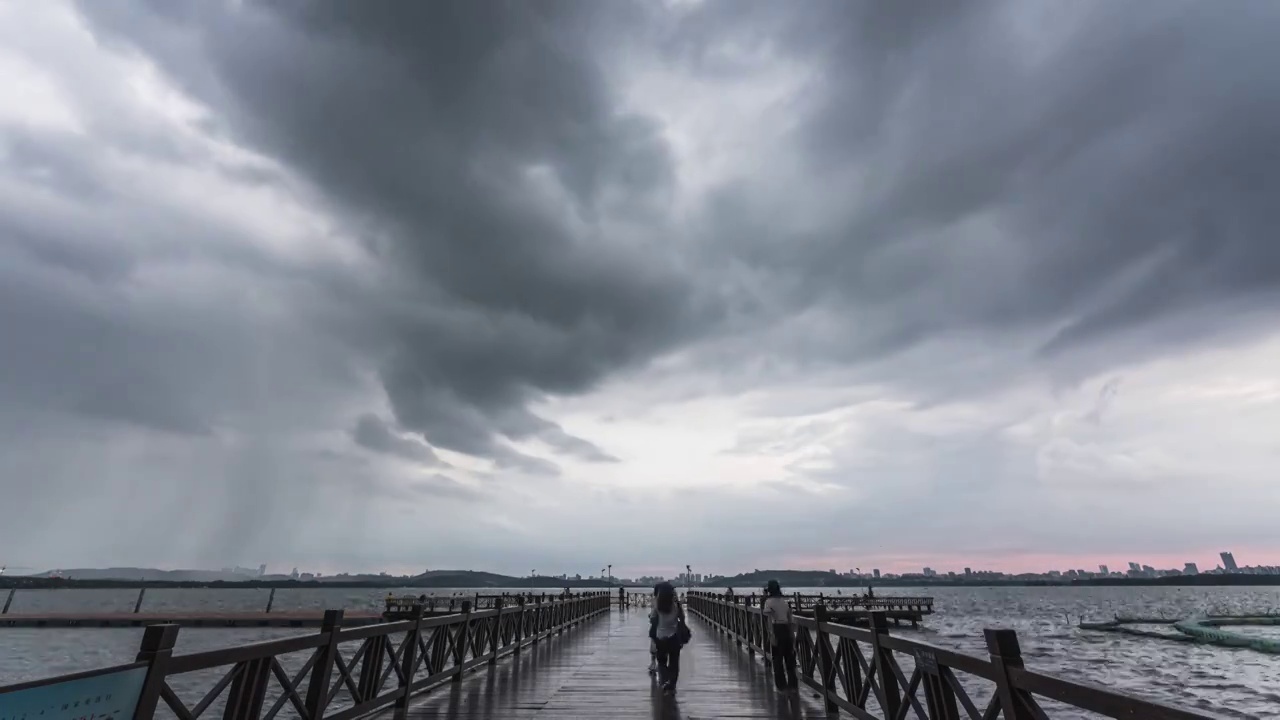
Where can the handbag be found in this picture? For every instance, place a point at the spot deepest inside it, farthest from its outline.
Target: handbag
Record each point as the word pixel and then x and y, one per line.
pixel 683 633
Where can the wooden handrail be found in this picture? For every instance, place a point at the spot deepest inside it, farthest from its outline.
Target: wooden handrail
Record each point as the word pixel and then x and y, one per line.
pixel 386 670
pixel 848 666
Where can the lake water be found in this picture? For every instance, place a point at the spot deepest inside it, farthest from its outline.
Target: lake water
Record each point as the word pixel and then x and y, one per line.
pixel 1232 683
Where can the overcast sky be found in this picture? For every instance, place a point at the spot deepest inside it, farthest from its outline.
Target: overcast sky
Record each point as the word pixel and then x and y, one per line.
pixel 553 285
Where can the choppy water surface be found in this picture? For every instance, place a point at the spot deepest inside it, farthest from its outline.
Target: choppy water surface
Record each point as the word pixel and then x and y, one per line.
pixel 1232 683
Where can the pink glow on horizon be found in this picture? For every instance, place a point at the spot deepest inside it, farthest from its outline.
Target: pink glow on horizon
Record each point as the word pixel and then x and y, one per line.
pixel 911 563
pixel 1031 562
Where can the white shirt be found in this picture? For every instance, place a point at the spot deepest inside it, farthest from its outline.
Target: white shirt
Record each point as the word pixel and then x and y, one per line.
pixel 777 610
pixel 668 623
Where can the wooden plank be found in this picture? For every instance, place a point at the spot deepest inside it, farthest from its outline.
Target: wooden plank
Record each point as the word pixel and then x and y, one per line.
pixel 599 671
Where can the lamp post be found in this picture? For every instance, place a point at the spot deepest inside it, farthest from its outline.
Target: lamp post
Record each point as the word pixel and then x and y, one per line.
pixel 610 574
pixel 532 574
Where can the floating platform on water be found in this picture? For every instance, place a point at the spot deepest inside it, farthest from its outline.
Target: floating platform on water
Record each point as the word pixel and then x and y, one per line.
pixel 1206 630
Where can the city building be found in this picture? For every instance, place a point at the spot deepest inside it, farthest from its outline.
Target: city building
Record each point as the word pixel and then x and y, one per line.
pixel 1103 569
pixel 1190 569
pixel 1229 561
pixel 876 573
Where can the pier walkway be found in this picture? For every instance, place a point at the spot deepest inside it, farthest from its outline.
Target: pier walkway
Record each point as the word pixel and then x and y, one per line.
pixel 573 657
pixel 598 671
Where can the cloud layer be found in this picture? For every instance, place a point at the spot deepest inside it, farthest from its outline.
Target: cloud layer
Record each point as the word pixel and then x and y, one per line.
pixel 514 273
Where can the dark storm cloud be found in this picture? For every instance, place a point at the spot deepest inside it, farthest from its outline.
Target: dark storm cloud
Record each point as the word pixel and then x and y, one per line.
pixel 439 129
pixel 1008 167
pixel 1089 167
pixel 953 193
pixel 372 433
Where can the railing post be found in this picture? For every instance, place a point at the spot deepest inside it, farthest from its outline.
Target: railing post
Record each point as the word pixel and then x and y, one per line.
pixel 495 636
pixel 461 642
pixel 940 699
pixel 518 634
pixel 408 664
pixel 138 604
pixel 318 685
pixel 248 690
pixel 823 640
pixel 764 630
pixel 738 621
pixel 271 599
pixel 537 619
pixel 1006 654
pixel 370 680
pixel 8 601
pixel 891 702
pixel 156 649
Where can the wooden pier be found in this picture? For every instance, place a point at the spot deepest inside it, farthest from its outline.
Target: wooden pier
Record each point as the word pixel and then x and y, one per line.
pixel 869 673
pixel 576 658
pixel 854 609
pixel 185 619
pixel 394 608
pixel 598 673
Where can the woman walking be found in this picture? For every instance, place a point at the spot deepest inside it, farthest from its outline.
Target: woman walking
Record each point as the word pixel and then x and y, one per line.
pixel 666 629
pixel 778 612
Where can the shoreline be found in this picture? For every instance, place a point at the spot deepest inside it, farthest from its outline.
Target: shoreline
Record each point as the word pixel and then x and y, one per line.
pixel 35 583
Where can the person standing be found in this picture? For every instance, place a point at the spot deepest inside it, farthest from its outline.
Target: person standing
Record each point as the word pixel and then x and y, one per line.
pixel 778 612
pixel 665 621
pixel 653 644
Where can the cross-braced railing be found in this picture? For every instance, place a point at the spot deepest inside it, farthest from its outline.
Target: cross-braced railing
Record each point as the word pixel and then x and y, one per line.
pixel 859 671
pixel 403 604
pixel 346 673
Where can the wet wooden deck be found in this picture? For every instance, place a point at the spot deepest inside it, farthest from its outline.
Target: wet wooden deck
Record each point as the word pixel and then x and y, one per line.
pixel 599 671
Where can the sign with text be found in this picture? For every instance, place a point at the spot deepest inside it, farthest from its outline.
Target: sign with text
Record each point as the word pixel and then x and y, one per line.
pixel 926 661
pixel 109 696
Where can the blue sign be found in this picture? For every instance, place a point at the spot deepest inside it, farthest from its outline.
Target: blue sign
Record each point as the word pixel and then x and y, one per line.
pixel 110 696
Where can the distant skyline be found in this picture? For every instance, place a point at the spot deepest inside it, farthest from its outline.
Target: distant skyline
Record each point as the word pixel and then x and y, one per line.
pixel 1016 565
pixel 734 283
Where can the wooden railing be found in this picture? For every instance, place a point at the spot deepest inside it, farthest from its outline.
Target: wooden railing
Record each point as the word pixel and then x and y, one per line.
pixel 858 671
pixel 850 603
pixel 912 603
pixel 337 682
pixel 478 601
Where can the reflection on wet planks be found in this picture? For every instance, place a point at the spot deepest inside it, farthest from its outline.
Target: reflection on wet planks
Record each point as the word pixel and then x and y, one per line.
pixel 599 671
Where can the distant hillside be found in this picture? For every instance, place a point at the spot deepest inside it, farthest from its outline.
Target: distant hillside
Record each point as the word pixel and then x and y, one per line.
pixel 476 579
pixel 464 579
pixel 154 575
pixel 150 577
pixel 787 578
